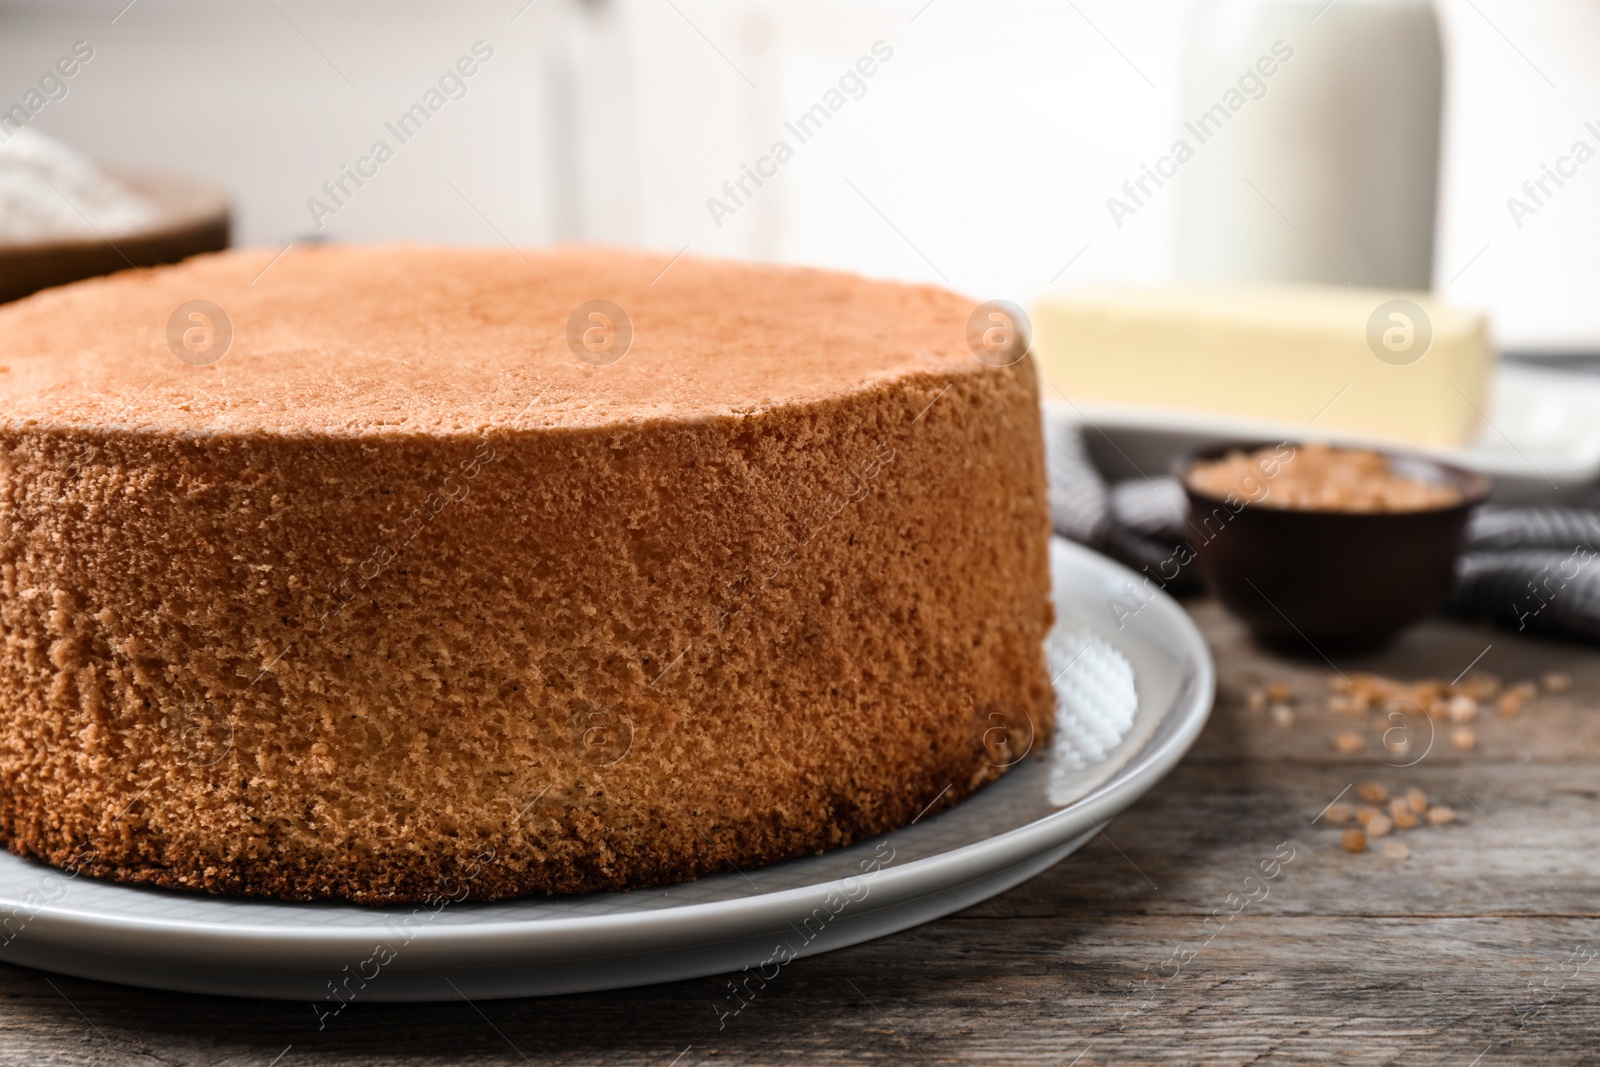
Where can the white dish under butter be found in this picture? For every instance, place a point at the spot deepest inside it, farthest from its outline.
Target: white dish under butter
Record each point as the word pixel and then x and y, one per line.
pixel 1540 439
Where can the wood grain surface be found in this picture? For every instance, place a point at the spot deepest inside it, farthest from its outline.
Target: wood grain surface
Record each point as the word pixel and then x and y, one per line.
pixel 1148 946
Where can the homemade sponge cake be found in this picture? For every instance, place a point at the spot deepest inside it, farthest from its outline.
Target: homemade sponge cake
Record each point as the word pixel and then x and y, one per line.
pixel 407 595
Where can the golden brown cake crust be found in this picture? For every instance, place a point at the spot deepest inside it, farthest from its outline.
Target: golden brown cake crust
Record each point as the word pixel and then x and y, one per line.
pixel 401 582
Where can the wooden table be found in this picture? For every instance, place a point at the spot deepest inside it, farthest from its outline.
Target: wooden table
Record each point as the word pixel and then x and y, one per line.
pixel 1482 948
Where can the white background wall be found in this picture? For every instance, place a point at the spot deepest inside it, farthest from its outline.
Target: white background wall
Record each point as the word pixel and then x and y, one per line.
pixel 981 154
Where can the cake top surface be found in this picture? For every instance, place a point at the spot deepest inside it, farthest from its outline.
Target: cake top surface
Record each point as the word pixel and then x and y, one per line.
pixel 415 339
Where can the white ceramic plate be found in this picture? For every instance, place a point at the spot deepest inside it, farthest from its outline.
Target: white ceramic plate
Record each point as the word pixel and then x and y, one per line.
pixel 1542 440
pixel 1132 700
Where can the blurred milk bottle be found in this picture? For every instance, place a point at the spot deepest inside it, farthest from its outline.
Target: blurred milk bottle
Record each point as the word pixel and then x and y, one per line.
pixel 1314 131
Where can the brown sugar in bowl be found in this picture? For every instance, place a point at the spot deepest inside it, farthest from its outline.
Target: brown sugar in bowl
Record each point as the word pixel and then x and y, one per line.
pixel 1318 579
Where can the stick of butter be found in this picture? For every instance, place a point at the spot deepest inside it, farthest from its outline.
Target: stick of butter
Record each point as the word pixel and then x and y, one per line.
pixel 1369 362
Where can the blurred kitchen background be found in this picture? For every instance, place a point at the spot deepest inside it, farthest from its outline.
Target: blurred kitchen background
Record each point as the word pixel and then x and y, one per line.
pixel 980 154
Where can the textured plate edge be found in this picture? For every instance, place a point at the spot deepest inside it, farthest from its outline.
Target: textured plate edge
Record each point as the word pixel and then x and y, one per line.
pixel 511 980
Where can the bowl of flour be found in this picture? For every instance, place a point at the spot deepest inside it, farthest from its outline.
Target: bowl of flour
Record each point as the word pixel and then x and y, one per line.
pixel 63 218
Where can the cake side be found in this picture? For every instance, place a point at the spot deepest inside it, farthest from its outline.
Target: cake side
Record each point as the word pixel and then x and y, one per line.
pixel 309 665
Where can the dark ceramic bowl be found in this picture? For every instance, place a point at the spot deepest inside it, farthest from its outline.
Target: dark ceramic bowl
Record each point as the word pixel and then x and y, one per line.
pixel 1329 581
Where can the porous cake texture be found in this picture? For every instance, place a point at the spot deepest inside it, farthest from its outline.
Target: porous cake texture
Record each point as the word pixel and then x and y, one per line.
pixel 405 580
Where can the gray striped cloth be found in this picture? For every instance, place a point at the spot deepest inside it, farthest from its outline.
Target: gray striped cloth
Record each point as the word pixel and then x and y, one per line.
pixel 1532 569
